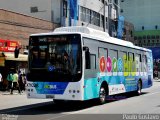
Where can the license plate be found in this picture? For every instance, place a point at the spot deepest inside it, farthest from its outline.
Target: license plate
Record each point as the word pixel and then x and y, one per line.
pixel 49 96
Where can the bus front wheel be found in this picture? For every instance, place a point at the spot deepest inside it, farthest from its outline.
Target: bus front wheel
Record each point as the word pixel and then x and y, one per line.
pixel 58 101
pixel 102 95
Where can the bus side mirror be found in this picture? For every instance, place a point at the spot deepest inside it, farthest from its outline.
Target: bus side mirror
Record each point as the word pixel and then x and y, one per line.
pixel 87 57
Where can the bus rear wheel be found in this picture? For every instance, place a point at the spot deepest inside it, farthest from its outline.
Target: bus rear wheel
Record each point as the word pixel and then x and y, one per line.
pixel 102 95
pixel 139 88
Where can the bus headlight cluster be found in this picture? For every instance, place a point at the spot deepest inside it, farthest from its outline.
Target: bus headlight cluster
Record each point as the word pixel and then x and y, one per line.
pixel 74 91
pixel 30 90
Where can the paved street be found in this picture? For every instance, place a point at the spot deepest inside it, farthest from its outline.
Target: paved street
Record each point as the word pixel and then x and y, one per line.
pixel 35 109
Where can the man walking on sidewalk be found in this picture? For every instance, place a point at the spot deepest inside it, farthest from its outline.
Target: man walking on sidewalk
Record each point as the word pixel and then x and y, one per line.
pixel 15 83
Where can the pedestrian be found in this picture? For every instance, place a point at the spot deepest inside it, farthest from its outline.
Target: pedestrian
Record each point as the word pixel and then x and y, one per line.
pixel 22 81
pixel 10 79
pixel 1 82
pixel 16 52
pixel 15 83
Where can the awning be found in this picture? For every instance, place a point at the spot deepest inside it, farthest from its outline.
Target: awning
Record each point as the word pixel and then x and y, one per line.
pixel 10 56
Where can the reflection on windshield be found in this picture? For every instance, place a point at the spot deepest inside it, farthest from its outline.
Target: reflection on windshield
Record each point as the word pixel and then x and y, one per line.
pixel 56 54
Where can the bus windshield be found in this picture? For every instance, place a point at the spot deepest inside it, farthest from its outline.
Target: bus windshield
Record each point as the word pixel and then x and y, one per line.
pixel 55 58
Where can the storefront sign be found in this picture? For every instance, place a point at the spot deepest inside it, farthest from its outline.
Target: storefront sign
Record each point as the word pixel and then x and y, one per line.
pixel 2 59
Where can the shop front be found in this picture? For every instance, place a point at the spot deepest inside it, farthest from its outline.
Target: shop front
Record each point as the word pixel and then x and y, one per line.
pixel 9 63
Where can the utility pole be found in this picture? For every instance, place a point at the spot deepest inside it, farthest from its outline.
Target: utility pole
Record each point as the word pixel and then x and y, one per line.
pixel 104 26
pixel 108 18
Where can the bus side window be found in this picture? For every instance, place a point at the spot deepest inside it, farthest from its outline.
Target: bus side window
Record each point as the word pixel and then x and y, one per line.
pixel 102 52
pixel 87 57
pixel 123 56
pixel 138 62
pixel 114 56
pixel 93 61
pixel 144 58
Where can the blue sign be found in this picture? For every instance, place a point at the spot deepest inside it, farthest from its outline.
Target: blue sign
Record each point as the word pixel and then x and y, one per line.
pixel 51 68
pixel 120 28
pixel 155 52
pixel 73 6
pixel 120 65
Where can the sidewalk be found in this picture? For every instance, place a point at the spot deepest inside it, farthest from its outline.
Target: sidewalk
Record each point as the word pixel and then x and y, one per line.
pixel 15 92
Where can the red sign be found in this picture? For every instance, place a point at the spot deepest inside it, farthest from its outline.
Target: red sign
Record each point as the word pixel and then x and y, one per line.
pixel 8 45
pixel 109 64
pixel 102 64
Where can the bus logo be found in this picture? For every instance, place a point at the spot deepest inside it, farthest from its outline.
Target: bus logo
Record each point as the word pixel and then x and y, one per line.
pixel 102 64
pixel 109 64
pixel 50 86
pixel 51 68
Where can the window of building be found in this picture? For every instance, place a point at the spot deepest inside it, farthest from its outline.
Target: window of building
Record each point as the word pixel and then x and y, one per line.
pixel 144 37
pixel 88 16
pixel 102 21
pixel 95 18
pixel 156 27
pixel 116 1
pixel 135 37
pixel 102 1
pixel 65 8
pixel 157 36
pixel 139 38
pixel 121 10
pixel 34 9
pixel 153 37
pixel 144 41
pixel 83 14
pixel 131 32
pixel 148 37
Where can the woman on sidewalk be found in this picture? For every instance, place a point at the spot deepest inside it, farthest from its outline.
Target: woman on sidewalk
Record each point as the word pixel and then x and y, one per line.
pixel 10 79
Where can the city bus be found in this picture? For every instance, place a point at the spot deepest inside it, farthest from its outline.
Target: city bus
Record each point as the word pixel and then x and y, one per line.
pixel 80 63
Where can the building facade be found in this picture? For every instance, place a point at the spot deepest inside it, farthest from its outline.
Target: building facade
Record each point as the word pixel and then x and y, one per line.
pixel 89 13
pixel 15 26
pixel 145 17
pixel 15 29
pixel 144 14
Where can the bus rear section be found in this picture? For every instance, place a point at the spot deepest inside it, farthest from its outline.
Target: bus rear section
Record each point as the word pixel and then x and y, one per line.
pixel 55 67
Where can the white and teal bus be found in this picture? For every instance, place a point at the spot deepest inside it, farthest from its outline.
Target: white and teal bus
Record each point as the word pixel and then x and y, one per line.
pixel 80 63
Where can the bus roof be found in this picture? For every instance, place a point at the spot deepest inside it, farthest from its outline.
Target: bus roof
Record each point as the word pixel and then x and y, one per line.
pixel 92 33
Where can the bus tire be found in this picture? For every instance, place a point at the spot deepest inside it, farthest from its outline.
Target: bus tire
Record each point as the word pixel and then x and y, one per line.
pixel 102 95
pixel 58 101
pixel 139 88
